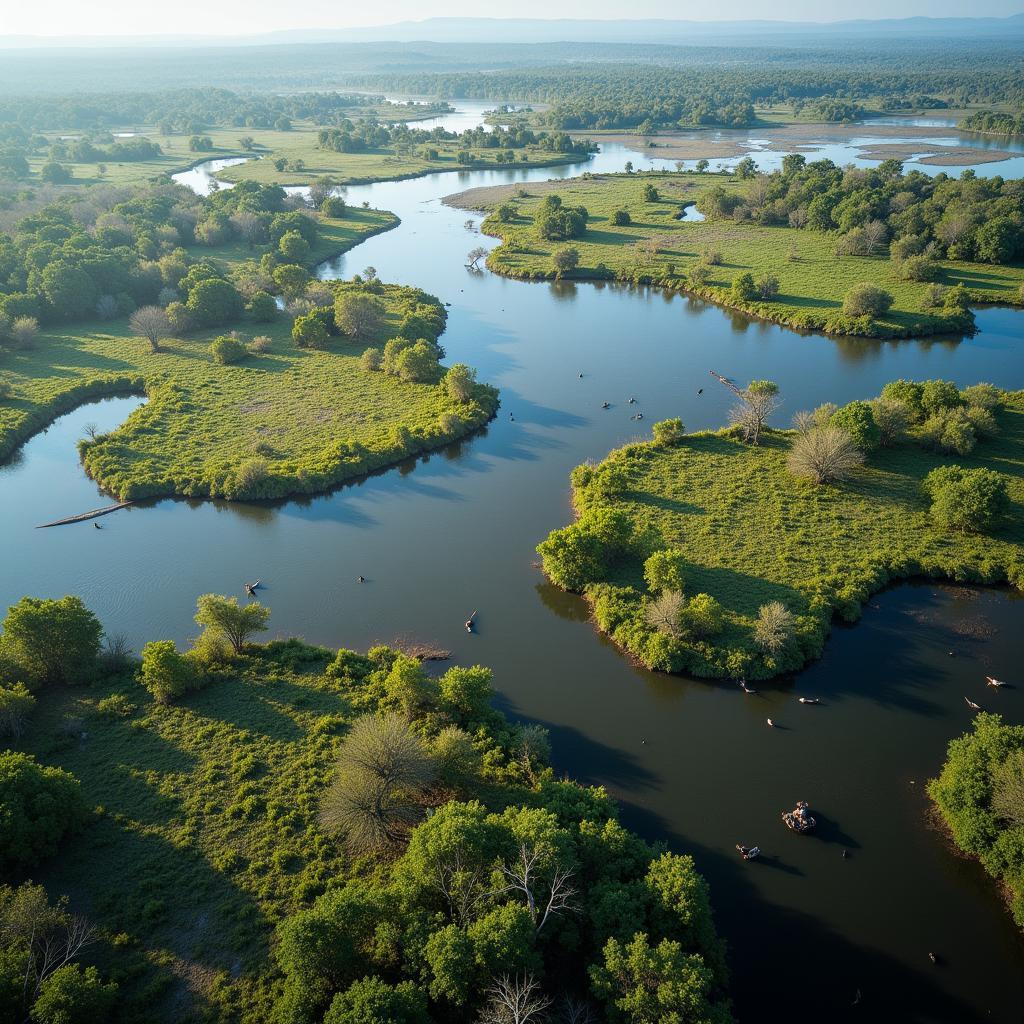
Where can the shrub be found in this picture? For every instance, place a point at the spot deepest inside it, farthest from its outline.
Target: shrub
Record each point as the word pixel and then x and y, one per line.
pixel 711 257
pixel 373 1001
pixel 702 617
pixel 983 396
pixel 117 705
pixel 892 419
pixel 582 552
pixel 743 288
pixel 957 300
pixel 949 430
pixel 248 476
pixel 371 359
pixel 698 275
pixel 939 395
pixel 669 432
pixel 226 348
pixel 968 500
pixel 38 806
pixel 358 314
pixel 293 247
pixel 858 421
pixel 165 673
pixel 620 218
pixel 334 207
pixel 310 331
pixel 649 193
pixel 262 307
pixel 459 382
pixel 225 618
pixel 16 705
pixel 51 641
pixel 908 393
pixel 917 268
pixel 213 301
pixel 767 287
pixel 775 627
pixel 72 996
pixel 23 332
pixel 565 261
pixel 824 455
pixel 934 295
pixel 665 570
pixel 261 344
pixel 866 299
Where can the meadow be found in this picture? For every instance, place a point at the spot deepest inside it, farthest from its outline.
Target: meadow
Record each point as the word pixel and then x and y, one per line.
pixel 658 248
pixel 751 533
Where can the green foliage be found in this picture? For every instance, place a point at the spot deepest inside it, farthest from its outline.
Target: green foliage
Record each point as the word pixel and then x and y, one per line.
pixel 665 570
pixel 16 704
pixel 581 553
pixel 73 996
pixel 459 382
pixel 565 261
pixel 310 331
pixel 38 806
pixel 866 299
pixel 165 673
pixel 668 432
pixel 857 419
pixel 702 617
pixel 358 315
pixel 621 218
pixel 214 301
pixel 974 500
pixel 224 617
pixel 226 348
pixel 373 1001
pixel 743 287
pixel 50 641
pixel 977 794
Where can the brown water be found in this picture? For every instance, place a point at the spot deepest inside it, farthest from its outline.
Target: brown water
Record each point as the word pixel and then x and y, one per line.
pixel 693 763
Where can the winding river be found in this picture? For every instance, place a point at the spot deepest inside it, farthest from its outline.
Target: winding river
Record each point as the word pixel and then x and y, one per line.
pixel 693 763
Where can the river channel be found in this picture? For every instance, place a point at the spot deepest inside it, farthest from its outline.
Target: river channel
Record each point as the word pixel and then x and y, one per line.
pixel 692 762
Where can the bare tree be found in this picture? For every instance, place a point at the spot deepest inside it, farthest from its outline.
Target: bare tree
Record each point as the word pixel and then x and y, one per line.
pixel 757 401
pixel 824 454
pixel 664 613
pixel 774 627
pixel 514 1000
pixel 474 256
pixel 544 896
pixel 152 323
pixel 577 1011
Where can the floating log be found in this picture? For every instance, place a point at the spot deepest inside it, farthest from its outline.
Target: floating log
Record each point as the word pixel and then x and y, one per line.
pixel 85 516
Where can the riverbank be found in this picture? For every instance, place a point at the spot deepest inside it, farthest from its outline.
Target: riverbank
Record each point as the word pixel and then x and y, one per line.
pixel 655 247
pixel 748 533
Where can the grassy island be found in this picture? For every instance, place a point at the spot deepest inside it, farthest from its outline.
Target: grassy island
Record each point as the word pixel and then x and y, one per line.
pixel 980 796
pixel 216 835
pixel 747 255
pixel 706 554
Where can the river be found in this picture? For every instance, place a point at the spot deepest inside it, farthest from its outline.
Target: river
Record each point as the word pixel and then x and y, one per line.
pixel 693 763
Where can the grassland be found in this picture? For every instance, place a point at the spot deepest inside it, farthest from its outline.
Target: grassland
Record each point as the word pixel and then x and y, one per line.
pixel 657 248
pixel 301 420
pixel 751 533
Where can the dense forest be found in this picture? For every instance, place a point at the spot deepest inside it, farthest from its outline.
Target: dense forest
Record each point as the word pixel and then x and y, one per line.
pixel 994 122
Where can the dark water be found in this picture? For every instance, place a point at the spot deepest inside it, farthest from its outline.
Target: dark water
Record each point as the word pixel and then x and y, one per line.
pixel 692 762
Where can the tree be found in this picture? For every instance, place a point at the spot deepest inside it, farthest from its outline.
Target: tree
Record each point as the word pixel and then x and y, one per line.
pixel 743 288
pixel 24 331
pixel 310 331
pixel 775 627
pixel 293 247
pixel 262 307
pixel 621 218
pixel 824 454
pixel 665 613
pixel 165 673
pixel 506 213
pixel 767 287
pixel 459 382
pixel 55 173
pixel 474 256
pixel 51 641
pixel 565 261
pixel 38 806
pixel 667 433
pixel 516 999
pixel 214 301
pixel 746 168
pixel 892 419
pixel 702 617
pixel 757 401
pixel 16 704
pixel 358 314
pixel 702 166
pixel 967 500
pixel 73 996
pixel 383 769
pixel 665 570
pixel 649 193
pixel 152 323
pixel 857 420
pixel 866 299
pixel 1008 790
pixel 373 1001
pixel 225 618
pixel 292 279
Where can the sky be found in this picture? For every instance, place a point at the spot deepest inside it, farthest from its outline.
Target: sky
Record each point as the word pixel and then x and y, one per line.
pixel 239 17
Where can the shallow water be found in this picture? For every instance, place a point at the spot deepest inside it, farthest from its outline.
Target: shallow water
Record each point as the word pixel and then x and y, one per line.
pixel 693 762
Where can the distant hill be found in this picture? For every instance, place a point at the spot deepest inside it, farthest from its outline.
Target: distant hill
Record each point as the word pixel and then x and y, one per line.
pixel 537 30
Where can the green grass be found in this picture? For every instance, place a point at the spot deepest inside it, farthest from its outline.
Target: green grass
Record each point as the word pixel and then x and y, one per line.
pixel 206 830
pixel 751 533
pixel 658 249
pixel 311 419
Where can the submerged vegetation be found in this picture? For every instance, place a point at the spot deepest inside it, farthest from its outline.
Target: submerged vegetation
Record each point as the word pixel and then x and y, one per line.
pixel 980 795
pixel 728 553
pixel 863 252
pixel 308 835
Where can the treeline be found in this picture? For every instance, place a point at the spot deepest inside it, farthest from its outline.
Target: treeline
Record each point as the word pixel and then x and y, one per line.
pixel 918 219
pixel 368 133
pixel 993 122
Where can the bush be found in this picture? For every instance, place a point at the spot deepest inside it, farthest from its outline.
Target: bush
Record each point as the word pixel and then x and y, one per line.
pixel 38 806
pixel 824 454
pixel 892 419
pixel 459 382
pixel 73 996
pixel 951 431
pixel 698 275
pixel 669 432
pixel 6 389
pixel 293 247
pixel 665 570
pixel 939 395
pixel 334 207
pixel 917 268
pixel 262 307
pixel 371 359
pixel 858 421
pixel 767 287
pixel 565 261
pixel 620 218
pixel 165 673
pixel 908 393
pixel 664 612
pixel 310 331
pixel 358 314
pixel 711 257
pixel 866 299
pixel 51 641
pixel 968 500
pixel 232 622
pixel 212 302
pixel 775 627
pixel 261 344
pixel 649 193
pixel 956 300
pixel 743 288
pixel 372 1001
pixel 581 553
pixel 703 617
pixel 16 704
pixel 227 349
pixel 23 333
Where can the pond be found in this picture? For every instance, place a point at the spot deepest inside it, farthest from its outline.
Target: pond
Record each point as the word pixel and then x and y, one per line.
pixel 692 762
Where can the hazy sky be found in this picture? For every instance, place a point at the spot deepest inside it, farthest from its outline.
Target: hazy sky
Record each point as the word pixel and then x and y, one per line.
pixel 235 17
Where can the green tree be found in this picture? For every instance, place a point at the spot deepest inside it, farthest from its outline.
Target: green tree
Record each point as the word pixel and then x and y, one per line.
pixel 857 419
pixel 620 218
pixel 39 805
pixel 293 247
pixel 968 500
pixel 743 288
pixel 235 623
pixel 214 301
pixel 668 433
pixel 775 627
pixel 459 382
pixel 358 315
pixel 227 349
pixel 309 331
pixel 565 261
pixel 16 704
pixel 866 299
pixel 262 307
pixel 73 996
pixel 373 1001
pixel 51 641
pixel 165 673
pixel 665 570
